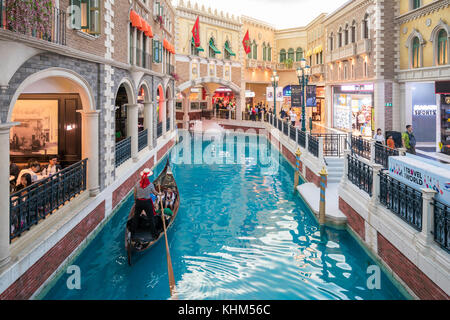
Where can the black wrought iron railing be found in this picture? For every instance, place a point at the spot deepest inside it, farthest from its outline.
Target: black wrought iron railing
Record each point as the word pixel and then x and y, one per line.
pixel 142 139
pixel 17 20
pixel 360 174
pixel 36 202
pixel 123 151
pixel 168 125
pixel 313 146
pixel 382 154
pixel 285 128
pixel 293 133
pixel 279 124
pixel 301 138
pixel 159 130
pixel 333 144
pixel 223 114
pixel 402 200
pixel 361 147
pixel 442 225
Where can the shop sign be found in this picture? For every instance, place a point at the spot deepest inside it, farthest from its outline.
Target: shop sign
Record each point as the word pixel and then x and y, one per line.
pixel 320 91
pixel 250 94
pixel 418 174
pixel 442 87
pixel 287 91
pixel 311 96
pixel 296 96
pixel 425 110
pixel 357 87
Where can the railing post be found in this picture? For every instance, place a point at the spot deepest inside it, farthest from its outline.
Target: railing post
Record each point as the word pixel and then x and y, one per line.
pixel 320 155
pixel 262 116
pixel 345 174
pixel 296 136
pixel 427 215
pixel 307 142
pixel 372 151
pixel 376 168
pixel 349 140
pixel 401 151
pixel 132 129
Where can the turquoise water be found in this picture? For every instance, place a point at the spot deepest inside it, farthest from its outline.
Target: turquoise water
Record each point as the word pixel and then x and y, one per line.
pixel 241 233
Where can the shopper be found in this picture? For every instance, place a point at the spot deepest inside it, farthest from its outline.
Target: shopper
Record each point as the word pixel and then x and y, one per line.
pixel 409 140
pixel 391 142
pixel 293 118
pixel 378 137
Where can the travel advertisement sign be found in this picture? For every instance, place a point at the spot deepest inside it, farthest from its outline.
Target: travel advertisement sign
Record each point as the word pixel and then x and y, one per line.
pixel 419 174
pixel 311 96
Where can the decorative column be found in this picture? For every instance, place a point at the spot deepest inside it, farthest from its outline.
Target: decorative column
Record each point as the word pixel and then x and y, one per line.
pixel 4 193
pixel 132 129
pixel 376 169
pixel 164 117
pixel 427 215
pixel 345 175
pixel 90 148
pixel 148 122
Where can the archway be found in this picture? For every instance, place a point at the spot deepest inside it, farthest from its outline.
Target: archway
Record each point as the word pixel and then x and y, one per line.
pixel 160 111
pixel 124 97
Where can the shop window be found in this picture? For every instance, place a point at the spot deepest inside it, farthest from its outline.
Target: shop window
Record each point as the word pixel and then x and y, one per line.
pixel 86 16
pixel 282 55
pixel 415 53
pixel 299 54
pixel 442 47
pixel 291 54
pixel 179 105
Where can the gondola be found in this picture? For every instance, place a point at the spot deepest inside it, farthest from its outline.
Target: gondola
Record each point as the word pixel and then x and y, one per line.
pixel 142 239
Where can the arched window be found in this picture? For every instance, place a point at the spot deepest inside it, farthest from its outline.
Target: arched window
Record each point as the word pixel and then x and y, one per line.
pixel 330 39
pixel 264 52
pixel 227 50
pixel 366 27
pixel 442 47
pixel 346 35
pixel 212 48
pixel 269 53
pixel 255 50
pixel 354 31
pixel 282 55
pixel 415 52
pixel 340 38
pixel 299 54
pixel 291 54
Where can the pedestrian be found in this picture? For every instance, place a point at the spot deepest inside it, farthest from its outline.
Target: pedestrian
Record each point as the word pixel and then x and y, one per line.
pixel 293 118
pixel 378 137
pixel 409 140
pixel 391 142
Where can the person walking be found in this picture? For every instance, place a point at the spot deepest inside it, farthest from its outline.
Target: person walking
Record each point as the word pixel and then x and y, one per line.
pixel 293 118
pixel 378 137
pixel 409 140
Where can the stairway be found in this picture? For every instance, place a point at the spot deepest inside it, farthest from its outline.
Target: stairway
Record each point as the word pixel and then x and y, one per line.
pixel 335 169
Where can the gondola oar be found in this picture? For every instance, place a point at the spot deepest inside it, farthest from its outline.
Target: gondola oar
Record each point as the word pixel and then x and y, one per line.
pixel 169 260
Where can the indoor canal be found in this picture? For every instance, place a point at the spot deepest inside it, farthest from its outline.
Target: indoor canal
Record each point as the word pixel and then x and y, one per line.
pixel 241 233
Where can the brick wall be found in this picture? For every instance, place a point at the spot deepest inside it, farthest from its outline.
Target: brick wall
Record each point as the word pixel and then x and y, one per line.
pixel 236 76
pixel 354 220
pixel 163 150
pixel 182 70
pixel 416 280
pixel 24 287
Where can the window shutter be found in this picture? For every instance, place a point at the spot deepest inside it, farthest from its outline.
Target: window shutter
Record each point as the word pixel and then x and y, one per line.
pixel 160 52
pixel 155 57
pixel 75 14
pixel 86 4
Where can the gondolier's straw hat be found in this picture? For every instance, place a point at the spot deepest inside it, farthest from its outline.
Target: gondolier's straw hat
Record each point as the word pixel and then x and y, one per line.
pixel 147 172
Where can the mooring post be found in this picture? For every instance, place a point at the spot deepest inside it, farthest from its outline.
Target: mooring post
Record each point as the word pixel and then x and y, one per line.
pixel 323 182
pixel 298 153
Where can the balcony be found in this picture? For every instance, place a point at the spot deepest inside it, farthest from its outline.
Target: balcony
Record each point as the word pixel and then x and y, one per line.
pixel 269 65
pixel 251 63
pixel 364 46
pixel 318 69
pixel 52 31
pixel 342 53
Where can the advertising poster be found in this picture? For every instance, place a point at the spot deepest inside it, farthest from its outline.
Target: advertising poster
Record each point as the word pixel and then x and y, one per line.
pixel 311 96
pixel 296 96
pixel 280 97
pixel 269 94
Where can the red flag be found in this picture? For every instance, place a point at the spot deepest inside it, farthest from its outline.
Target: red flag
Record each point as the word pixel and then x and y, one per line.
pixel 196 32
pixel 246 43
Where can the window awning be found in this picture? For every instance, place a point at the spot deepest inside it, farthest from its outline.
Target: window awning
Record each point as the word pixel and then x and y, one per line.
pixel 135 19
pixel 309 53
pixel 199 48
pixel 212 46
pixel 228 49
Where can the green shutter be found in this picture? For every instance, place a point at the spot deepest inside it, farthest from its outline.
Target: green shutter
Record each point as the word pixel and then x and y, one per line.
pixel 88 10
pixel 160 52
pixel 75 14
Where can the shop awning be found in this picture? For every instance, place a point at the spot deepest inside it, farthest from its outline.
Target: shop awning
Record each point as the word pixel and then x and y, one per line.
pixel 168 46
pixel 135 19
pixel 318 49
pixel 148 30
pixel 228 49
pixel 309 53
pixel 212 46
pixel 199 48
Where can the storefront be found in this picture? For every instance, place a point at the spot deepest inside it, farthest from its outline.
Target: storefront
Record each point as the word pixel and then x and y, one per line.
pixel 353 109
pixel 318 112
pixel 442 88
pixel 224 96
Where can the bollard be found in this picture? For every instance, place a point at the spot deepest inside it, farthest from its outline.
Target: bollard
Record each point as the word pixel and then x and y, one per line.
pixel 323 181
pixel 298 153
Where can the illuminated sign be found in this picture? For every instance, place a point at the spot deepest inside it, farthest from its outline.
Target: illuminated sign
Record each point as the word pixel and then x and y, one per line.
pixel 249 94
pixel 425 110
pixel 357 87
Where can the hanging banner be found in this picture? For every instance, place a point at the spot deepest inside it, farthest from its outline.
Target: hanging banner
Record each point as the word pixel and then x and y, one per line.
pixel 280 94
pixel 296 96
pixel 269 94
pixel 311 96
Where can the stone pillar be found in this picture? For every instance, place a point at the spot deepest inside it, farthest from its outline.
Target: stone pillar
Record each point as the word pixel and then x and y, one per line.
pixel 148 122
pixel 372 151
pixel 345 174
pixel 427 215
pixel 321 160
pixel 262 116
pixel 132 129
pixel 349 141
pixel 4 193
pixel 90 148
pixel 240 103
pixel 186 106
pixel 307 142
pixel 401 151
pixel 164 116
pixel 376 168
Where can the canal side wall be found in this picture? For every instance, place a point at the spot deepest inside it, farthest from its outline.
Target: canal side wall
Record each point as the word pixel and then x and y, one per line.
pixel 420 265
pixel 50 245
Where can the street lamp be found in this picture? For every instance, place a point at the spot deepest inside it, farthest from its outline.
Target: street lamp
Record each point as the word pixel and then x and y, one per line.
pixel 303 73
pixel 275 78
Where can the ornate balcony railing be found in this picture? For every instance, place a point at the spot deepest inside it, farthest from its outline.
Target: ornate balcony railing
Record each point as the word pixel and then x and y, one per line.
pixel 159 130
pixel 142 139
pixel 360 174
pixel 301 139
pixel 333 144
pixel 382 154
pixel 442 225
pixel 402 200
pixel 34 203
pixel 123 151
pixel 364 46
pixel 361 147
pixel 313 146
pixel 53 31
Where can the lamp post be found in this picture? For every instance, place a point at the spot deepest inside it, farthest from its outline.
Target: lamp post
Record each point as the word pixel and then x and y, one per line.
pixel 303 73
pixel 275 78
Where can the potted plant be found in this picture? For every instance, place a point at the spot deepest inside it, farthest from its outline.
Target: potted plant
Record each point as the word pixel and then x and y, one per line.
pixel 288 63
